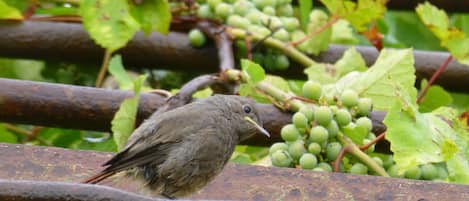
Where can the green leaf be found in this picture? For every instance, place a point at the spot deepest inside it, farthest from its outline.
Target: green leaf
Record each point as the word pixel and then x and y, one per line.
pixel 108 22
pixel 8 12
pixel 355 133
pixel 305 7
pixel 451 38
pixel 461 21
pixel 435 97
pixel 350 61
pixel 358 14
pixel 124 120
pixel 342 33
pixel 322 73
pixel 6 136
pixel 391 75
pixel 117 70
pixel 153 15
pixel 254 72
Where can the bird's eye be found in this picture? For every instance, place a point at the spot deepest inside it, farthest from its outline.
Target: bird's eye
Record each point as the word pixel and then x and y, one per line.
pixel 247 109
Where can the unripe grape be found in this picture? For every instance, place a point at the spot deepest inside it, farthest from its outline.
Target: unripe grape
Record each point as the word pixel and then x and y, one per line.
pixel 364 122
pixel 413 173
pixel 429 171
pixel 318 134
pixel 243 7
pixel 318 169
pixel 378 160
pixel 204 11
pixel 332 129
pixel 290 23
pixel 269 10
pixel 393 171
pixel 442 173
pixel 269 61
pixel 343 117
pixel 296 149
pixel 308 161
pixel 358 168
pixel 371 148
pixel 282 35
pixel 323 115
pixel 223 10
pixel 258 58
pixel 388 162
pixel 281 158
pixel 213 3
pixel 254 16
pixel 332 150
pixel 308 112
pixel 263 3
pixel 289 133
pixel 278 146
pixel 364 106
pixel 281 62
pixel 300 120
pixel 312 90
pixel 314 148
pixel 325 166
pixel 349 98
pixel 286 10
pixel 196 38
pixel 238 21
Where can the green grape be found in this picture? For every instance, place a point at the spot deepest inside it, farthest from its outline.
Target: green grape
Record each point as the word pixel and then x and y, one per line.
pixel 281 158
pixel 307 111
pixel 281 62
pixel 371 148
pixel 286 10
pixel 429 171
pixel 349 98
pixel 364 122
pixel 204 11
pixel 318 169
pixel 269 61
pixel 264 3
pixel 300 120
pixel 241 49
pixel 299 34
pixel 237 21
pixel 378 160
pixel 442 173
pixel 271 22
pixel 312 90
pixel 314 148
pixel 332 150
pixel 289 133
pixel 196 38
pixel 371 136
pixel 318 134
pixel 308 161
pixel 282 2
pixel 325 166
pixel 393 171
pixel 243 7
pixel 223 10
pixel 269 10
pixel 364 106
pixel 278 146
pixel 258 58
pixel 332 129
pixel 358 168
pixel 296 149
pixel 413 173
pixel 262 31
pixel 213 3
pixel 343 117
pixel 254 16
pixel 323 115
pixel 388 161
pixel 282 35
pixel 290 23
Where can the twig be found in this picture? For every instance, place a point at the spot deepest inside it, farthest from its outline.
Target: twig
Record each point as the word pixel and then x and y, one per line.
pixel 433 78
pixel 339 158
pixel 374 141
pixel 329 23
pixel 104 66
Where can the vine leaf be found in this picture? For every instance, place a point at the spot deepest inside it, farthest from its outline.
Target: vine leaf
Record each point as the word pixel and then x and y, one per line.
pixel 117 70
pixel 451 38
pixel 8 12
pixel 305 7
pixel 109 23
pixel 253 72
pixel 358 14
pixel 153 15
pixel 435 97
pixel 124 120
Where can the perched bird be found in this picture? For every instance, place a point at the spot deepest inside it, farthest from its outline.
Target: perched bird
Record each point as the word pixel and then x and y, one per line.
pixel 179 151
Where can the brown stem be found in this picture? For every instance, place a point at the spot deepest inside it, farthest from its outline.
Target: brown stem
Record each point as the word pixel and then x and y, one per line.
pixel 104 66
pixel 339 158
pixel 433 78
pixel 374 141
pixel 329 23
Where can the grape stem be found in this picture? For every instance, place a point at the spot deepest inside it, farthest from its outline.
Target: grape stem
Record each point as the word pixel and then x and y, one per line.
pixel 374 141
pixel 288 50
pixel 104 66
pixel 353 149
pixel 433 78
pixel 339 158
pixel 329 24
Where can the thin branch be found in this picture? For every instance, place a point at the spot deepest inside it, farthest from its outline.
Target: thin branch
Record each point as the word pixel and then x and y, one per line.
pixel 374 141
pixel 329 24
pixel 104 67
pixel 433 78
pixel 339 158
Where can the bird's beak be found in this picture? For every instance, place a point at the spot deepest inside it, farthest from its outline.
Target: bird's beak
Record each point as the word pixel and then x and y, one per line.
pixel 262 130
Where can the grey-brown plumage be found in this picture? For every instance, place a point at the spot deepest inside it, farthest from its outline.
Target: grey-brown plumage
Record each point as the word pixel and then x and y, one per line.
pixel 180 151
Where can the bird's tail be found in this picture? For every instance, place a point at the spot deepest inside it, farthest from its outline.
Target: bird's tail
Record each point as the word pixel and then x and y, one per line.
pixel 98 177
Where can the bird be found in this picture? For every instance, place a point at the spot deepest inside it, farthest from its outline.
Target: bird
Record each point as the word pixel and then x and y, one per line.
pixel 178 152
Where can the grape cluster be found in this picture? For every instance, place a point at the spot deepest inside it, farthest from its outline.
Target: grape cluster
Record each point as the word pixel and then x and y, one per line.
pixel 262 17
pixel 311 140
